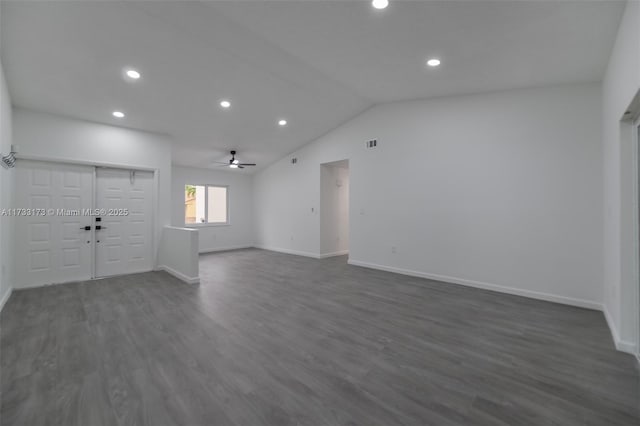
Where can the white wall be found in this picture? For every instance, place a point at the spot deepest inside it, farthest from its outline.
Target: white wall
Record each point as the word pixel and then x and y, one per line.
pixel 334 208
pixel 500 190
pixel 178 253
pixel 56 138
pixel 239 232
pixel 621 83
pixel 6 191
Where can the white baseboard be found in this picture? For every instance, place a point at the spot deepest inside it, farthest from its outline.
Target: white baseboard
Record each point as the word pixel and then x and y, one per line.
pixel 486 286
pixel 215 249
pixel 5 298
pixel 626 346
pixel 333 254
pixel 179 275
pixel 287 251
pixel 621 345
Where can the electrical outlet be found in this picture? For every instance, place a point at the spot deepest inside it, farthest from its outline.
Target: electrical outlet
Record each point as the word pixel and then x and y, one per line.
pixel 393 249
pixel 372 143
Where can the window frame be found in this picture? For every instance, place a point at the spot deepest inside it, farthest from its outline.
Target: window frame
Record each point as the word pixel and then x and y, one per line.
pixel 206 206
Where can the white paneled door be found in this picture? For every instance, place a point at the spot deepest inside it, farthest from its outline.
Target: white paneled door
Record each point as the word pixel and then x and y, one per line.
pixel 75 223
pixel 52 243
pixel 124 233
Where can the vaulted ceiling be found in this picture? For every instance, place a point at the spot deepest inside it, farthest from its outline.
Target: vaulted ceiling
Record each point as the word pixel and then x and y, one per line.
pixel 314 63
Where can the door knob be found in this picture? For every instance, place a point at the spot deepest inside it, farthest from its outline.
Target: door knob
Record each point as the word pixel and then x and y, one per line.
pixel 86 228
pixel 99 227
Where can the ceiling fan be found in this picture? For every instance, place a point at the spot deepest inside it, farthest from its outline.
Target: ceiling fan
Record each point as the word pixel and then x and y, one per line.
pixel 235 164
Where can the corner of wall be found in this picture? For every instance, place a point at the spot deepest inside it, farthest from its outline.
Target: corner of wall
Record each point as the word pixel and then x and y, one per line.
pixel 620 83
pixel 621 345
pixel 5 297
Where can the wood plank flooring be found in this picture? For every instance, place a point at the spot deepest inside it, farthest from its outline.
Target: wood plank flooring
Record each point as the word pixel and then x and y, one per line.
pixel 275 339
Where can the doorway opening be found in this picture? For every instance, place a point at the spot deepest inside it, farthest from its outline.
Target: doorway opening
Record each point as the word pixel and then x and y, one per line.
pixel 334 208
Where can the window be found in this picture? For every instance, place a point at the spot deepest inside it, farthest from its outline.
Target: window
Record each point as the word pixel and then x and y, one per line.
pixel 206 204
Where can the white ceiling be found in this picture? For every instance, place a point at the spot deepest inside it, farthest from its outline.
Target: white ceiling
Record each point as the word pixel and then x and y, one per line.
pixel 315 63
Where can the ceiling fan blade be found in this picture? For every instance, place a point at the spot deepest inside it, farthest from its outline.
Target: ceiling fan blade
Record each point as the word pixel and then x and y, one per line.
pixel 240 167
pixel 247 164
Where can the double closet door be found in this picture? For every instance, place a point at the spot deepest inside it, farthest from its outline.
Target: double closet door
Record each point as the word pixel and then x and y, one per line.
pixel 75 223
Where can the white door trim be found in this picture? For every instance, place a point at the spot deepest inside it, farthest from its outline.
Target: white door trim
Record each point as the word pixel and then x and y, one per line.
pixel 86 163
pixel 636 227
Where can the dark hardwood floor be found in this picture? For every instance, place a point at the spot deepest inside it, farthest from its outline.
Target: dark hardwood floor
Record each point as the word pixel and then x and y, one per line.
pixel 274 339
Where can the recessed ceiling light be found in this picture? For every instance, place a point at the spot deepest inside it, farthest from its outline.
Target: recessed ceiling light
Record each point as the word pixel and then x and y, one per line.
pixel 380 4
pixel 118 114
pixel 282 122
pixel 433 62
pixel 225 104
pixel 133 74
